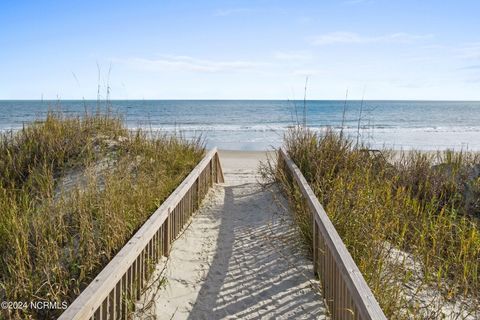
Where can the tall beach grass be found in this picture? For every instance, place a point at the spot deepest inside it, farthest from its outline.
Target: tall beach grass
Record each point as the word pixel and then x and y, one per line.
pixel 73 190
pixel 410 220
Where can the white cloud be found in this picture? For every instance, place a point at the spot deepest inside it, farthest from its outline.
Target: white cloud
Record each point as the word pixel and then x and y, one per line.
pixel 186 63
pixel 354 38
pixel 470 51
pixel 434 47
pixel 472 67
pixel 292 55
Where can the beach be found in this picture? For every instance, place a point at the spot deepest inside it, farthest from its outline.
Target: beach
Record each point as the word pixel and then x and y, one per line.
pixel 248 161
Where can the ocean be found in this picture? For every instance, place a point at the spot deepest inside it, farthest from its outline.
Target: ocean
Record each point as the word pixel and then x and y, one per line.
pixel 261 124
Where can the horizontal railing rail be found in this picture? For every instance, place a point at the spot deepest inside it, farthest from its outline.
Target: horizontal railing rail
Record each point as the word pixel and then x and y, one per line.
pixel 347 294
pixel 111 293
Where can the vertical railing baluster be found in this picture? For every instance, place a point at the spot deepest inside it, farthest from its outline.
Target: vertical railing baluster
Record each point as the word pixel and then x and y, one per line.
pixel 134 277
pixel 148 260
pixel 130 291
pixel 159 240
pixel 155 247
pixel 118 300
pixel 172 224
pixel 111 303
pixel 105 308
pixel 166 236
pixel 123 314
pixel 210 175
pixel 98 314
pixel 139 275
pixel 315 247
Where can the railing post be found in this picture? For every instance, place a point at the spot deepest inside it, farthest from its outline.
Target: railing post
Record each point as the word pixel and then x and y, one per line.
pixel 215 165
pixel 166 235
pixel 315 246
pixel 197 192
pixel 220 177
pixel 210 178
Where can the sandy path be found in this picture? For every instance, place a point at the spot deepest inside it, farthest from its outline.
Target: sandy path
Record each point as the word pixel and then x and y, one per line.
pixel 240 257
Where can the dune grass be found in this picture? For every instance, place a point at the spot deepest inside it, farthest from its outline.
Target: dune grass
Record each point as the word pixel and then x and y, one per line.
pixel 410 221
pixel 73 190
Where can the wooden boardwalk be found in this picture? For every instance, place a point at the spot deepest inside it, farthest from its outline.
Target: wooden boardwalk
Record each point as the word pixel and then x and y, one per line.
pixel 241 258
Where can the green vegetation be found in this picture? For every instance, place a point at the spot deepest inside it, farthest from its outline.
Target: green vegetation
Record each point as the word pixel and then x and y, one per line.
pixel 73 190
pixel 409 220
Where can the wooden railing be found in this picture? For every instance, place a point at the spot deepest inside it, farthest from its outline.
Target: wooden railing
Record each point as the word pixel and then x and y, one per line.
pixel 345 290
pixel 111 294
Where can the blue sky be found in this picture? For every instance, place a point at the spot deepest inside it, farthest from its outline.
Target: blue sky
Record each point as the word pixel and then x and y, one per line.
pixel 259 49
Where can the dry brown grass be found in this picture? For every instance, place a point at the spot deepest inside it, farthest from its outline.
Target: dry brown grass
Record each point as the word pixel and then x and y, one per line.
pixel 410 222
pixel 72 192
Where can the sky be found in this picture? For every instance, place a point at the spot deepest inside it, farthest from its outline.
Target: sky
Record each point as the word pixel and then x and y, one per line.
pixel 262 49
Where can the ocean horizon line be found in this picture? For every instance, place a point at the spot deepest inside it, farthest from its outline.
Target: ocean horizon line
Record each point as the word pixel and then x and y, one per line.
pixel 280 100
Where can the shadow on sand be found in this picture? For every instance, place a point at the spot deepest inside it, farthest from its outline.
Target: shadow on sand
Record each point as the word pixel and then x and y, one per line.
pixel 259 270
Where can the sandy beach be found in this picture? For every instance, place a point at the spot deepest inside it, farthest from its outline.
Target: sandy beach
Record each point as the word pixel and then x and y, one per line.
pixel 240 258
pixel 248 161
